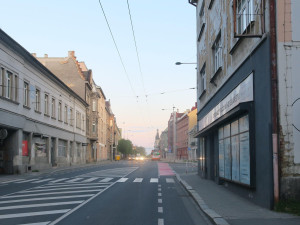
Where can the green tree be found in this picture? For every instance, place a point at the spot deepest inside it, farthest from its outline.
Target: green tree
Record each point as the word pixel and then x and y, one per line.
pixel 125 147
pixel 141 150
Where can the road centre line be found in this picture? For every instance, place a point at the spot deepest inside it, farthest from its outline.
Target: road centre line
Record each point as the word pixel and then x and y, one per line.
pixel 160 209
pixel 7 216
pixel 159 189
pixel 46 198
pixel 64 188
pixel 87 201
pixel 159 194
pixel 40 205
pixel 159 201
pixel 51 193
pixel 160 221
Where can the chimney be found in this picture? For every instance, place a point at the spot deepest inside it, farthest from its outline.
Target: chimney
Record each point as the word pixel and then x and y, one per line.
pixel 71 54
pixel 46 55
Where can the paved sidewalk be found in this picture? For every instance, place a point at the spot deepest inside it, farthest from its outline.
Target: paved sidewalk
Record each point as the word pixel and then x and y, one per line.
pixel 224 207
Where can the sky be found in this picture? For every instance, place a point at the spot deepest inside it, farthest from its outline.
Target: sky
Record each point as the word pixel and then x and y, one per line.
pixel 165 33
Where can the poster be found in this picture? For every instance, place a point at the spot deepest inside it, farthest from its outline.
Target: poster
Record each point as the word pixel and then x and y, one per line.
pixel 235 153
pixel 227 157
pixel 221 159
pixel 244 158
pixel 24 148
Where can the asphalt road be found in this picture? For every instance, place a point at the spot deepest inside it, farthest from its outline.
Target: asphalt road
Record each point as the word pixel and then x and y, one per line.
pixel 123 193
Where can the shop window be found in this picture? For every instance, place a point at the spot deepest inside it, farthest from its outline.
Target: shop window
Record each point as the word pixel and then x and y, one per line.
pixel 62 148
pixel 78 150
pixel 202 154
pixel 234 151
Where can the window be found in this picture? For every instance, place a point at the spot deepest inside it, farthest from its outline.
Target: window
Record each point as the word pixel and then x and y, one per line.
pixel 78 120
pixel 53 108
pixel 46 105
pixel 59 112
pixel 94 127
pixel 71 117
pixel 62 148
pixel 8 85
pixel 66 114
pixel 37 105
pixel 16 87
pixel 26 94
pixel 244 15
pixel 234 151
pixel 217 54
pixel 2 82
pixel 83 128
pixel 94 106
pixel 202 80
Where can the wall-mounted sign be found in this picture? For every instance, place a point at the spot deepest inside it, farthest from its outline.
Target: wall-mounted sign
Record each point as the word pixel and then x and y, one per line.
pixel 84 144
pixel 242 93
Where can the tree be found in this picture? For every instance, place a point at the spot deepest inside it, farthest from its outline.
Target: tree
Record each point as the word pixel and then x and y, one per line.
pixel 141 150
pixel 125 147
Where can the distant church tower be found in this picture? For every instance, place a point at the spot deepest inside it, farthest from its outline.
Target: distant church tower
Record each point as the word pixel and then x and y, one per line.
pixel 156 143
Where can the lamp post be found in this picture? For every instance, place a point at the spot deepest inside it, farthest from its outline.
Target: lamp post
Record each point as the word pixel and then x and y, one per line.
pixel 179 63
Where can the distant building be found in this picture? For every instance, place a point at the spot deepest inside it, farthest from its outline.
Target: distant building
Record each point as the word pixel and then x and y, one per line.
pixel 192 130
pixel 42 120
pixel 156 142
pixel 172 149
pixel 182 127
pixel 163 143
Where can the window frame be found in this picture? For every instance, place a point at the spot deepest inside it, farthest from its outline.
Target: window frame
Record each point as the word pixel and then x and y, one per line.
pixel 53 108
pixel 26 94
pixel 37 103
pixel 46 104
pixel 59 111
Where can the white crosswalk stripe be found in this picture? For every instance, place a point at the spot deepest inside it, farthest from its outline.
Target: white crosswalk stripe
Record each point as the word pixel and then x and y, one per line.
pixel 11 181
pixel 122 180
pixel 90 179
pixel 15 215
pixel 41 181
pixel 74 180
pixel 59 180
pixel 39 223
pixel 106 179
pixel 154 180
pixel 26 181
pixel 170 180
pixel 138 180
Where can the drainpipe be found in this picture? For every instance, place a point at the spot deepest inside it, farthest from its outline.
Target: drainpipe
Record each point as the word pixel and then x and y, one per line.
pixel 274 83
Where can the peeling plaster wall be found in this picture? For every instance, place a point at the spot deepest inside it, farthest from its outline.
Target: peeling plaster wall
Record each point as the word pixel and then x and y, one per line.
pixel 288 50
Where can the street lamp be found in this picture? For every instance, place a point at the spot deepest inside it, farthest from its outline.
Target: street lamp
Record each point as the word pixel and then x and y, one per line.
pixel 179 63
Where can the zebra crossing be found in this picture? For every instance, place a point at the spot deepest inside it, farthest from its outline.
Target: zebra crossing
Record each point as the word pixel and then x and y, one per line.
pixel 83 180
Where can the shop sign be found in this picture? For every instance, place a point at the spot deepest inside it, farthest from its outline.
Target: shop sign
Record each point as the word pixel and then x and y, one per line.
pixel 242 93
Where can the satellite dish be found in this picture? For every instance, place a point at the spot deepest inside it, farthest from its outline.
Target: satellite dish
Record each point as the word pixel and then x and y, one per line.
pixel 3 133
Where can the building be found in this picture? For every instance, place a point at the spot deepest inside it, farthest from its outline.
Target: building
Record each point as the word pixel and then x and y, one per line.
pixel 76 76
pixel 192 130
pixel 182 127
pixel 102 126
pixel 235 97
pixel 42 120
pixel 156 141
pixel 163 143
pixel 172 149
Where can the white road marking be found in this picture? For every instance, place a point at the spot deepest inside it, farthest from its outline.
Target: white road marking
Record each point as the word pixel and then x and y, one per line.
pixel 122 180
pixel 40 205
pixel 159 194
pixel 56 181
pixel 159 200
pixel 154 180
pixel 106 179
pixel 160 209
pixel 170 180
pixel 138 180
pixel 64 188
pixel 40 181
pixel 10 181
pixel 47 198
pixel 159 189
pixel 160 221
pixel 74 180
pixel 51 193
pixel 90 179
pixel 7 216
pixel 39 223
pixel 159 185
pixel 70 185
pixel 25 181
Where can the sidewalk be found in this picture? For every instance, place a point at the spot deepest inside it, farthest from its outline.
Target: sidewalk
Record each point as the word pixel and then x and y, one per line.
pixel 224 207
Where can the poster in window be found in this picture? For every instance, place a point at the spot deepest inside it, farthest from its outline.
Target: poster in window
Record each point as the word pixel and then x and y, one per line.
pixel 227 157
pixel 244 158
pixel 40 149
pixel 221 159
pixel 235 153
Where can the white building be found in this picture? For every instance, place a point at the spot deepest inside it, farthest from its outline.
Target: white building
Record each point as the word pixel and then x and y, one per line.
pixel 42 121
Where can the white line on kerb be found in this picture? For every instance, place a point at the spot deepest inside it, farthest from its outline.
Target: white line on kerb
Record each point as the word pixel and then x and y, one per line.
pixel 160 221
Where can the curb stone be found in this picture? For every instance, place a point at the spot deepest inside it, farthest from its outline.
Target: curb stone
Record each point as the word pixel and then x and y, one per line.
pixel 214 217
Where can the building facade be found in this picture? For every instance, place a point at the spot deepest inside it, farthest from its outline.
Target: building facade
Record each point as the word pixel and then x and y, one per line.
pixel 163 143
pixel 77 76
pixel 192 130
pixel 234 97
pixel 42 121
pixel 182 127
